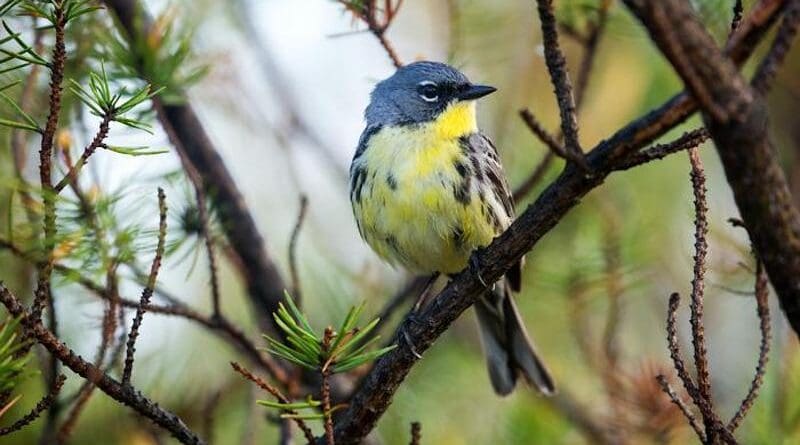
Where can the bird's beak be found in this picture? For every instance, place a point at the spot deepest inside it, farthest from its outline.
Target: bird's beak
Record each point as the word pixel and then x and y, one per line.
pixel 473 92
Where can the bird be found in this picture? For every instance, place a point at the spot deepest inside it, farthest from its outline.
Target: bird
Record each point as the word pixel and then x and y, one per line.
pixel 427 189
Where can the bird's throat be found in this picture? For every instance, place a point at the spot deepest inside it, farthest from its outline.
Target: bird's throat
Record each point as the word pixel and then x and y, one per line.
pixel 457 120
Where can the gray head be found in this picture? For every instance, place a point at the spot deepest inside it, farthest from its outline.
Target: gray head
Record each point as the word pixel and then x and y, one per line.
pixel 419 92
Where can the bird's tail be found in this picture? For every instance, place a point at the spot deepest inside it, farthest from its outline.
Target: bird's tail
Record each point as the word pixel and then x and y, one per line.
pixel 509 351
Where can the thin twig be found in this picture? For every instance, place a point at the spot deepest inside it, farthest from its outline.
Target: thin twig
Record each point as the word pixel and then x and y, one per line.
pixel 537 129
pixel 325 392
pixel 57 64
pixel 556 65
pixel 762 304
pixel 686 141
pixel 765 73
pixel 148 290
pixel 738 9
pixel 369 13
pixel 213 269
pixel 43 405
pixel 590 51
pixel 536 176
pixel 675 349
pixel 278 396
pixel 701 250
pixel 293 270
pixel 687 412
pixel 416 433
pixel 125 394
pixel 96 143
pixel 109 327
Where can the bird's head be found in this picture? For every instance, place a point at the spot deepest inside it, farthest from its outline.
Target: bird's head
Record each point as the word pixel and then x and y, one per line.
pixel 420 92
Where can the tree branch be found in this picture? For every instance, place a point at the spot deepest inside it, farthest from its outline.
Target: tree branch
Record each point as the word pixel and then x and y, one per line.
pixel 375 394
pixel 264 282
pixel 736 119
pixel 125 394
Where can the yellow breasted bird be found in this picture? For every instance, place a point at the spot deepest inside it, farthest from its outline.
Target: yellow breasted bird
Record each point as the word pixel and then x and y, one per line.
pixel 428 188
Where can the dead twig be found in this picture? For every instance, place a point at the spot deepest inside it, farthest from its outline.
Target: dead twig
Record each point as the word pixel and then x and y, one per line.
pixel 687 412
pixel 147 292
pixel 278 396
pixel 43 405
pixel 787 31
pixel 556 65
pixel 416 433
pixel 686 141
pixel 762 305
pixel 378 19
pixel 293 269
pixel 125 394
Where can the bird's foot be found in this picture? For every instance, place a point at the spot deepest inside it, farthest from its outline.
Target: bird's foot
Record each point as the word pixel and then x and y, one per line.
pixel 475 266
pixel 403 330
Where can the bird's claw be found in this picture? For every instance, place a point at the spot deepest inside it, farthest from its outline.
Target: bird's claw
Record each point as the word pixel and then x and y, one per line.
pixel 475 268
pixel 411 318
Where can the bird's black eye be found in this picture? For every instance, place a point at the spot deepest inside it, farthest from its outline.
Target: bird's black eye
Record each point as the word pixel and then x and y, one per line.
pixel 428 91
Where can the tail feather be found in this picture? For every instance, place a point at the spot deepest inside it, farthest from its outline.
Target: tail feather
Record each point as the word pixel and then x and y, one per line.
pixel 507 346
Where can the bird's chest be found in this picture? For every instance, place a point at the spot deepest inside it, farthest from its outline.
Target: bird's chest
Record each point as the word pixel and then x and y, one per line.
pixel 417 205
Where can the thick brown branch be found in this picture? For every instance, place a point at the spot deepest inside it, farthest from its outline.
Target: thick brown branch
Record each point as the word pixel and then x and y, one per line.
pixel 743 143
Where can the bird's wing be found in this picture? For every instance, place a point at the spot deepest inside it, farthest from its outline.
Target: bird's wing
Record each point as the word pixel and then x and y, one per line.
pixel 493 170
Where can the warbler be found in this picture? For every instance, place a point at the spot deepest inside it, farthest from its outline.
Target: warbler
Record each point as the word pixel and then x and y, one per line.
pixel 427 189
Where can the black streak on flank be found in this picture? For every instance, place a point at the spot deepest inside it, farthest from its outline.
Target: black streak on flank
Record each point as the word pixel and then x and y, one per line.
pixel 460 168
pixel 461 191
pixel 359 175
pixel 391 181
pixel 471 152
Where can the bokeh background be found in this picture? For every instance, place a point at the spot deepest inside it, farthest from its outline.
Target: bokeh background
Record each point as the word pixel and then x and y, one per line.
pixel 283 98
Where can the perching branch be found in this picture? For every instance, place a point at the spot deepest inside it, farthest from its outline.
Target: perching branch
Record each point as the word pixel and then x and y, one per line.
pixel 375 394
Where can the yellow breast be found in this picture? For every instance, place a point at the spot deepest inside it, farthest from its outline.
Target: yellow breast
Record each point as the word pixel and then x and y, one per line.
pixel 416 206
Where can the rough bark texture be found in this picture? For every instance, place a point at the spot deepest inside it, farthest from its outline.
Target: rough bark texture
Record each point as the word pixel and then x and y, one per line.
pixel 737 120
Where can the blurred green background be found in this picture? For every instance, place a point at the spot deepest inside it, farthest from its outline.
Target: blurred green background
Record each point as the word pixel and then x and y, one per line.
pixel 283 100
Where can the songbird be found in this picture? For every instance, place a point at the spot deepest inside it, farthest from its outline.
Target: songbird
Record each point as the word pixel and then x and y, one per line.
pixel 427 189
